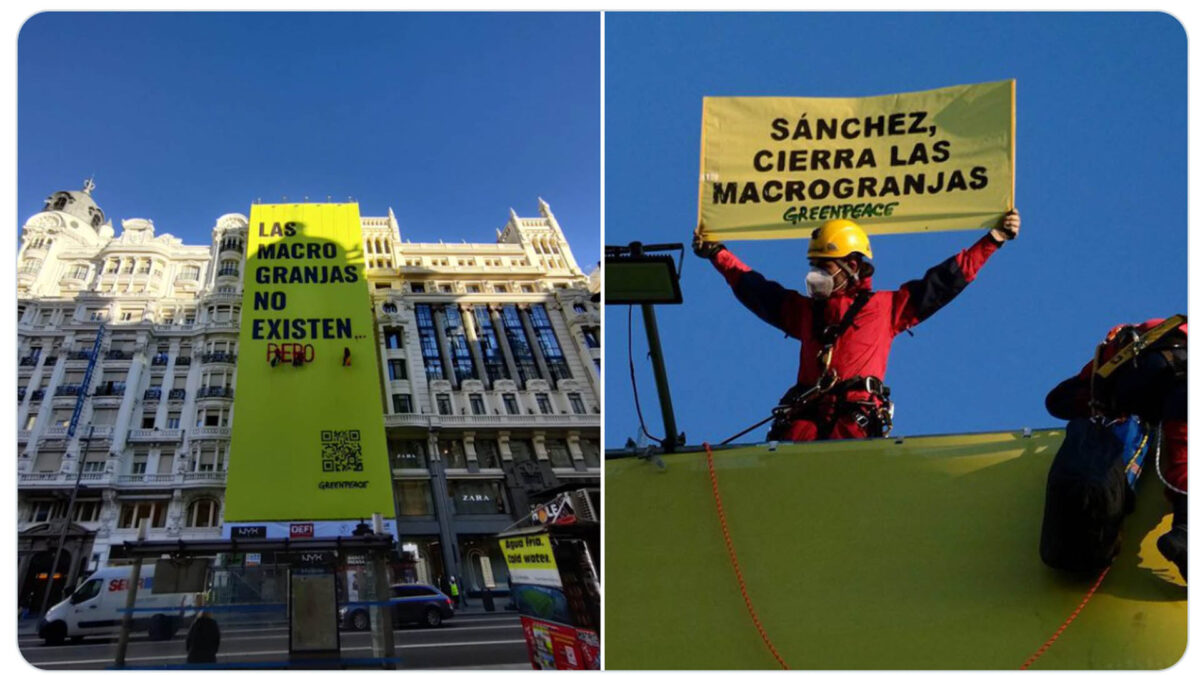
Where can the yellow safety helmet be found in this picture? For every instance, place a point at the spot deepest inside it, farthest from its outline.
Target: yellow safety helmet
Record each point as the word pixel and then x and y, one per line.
pixel 838 239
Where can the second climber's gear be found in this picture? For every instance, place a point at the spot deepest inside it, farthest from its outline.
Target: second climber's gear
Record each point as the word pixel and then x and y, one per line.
pixel 1129 343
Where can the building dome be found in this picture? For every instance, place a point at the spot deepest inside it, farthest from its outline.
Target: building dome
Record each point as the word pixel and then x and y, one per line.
pixel 78 203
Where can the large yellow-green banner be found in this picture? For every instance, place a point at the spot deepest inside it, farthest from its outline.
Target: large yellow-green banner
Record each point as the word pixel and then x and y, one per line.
pixel 776 168
pixel 308 436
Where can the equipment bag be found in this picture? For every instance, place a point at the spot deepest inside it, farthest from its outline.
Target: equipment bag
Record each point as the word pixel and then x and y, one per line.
pixel 1089 492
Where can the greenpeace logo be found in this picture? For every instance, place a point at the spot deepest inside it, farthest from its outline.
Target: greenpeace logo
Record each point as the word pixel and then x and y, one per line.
pixel 343 484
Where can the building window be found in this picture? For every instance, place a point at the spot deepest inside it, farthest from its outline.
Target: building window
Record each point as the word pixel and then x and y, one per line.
pixel 173 420
pixel 543 401
pixel 591 337
pixel 393 338
pixel 414 497
pixel 477 497
pixel 189 273
pixel 560 456
pixel 510 404
pixel 517 340
pixel 87 511
pixel 493 356
pixel 48 461
pixel 477 405
pixel 202 513
pixel 487 452
pixel 45 510
pixel 443 404
pixel 576 404
pixel 408 454
pixel 133 513
pixel 460 353
pixel 591 452
pixel 521 450
pixel 401 403
pixel 417 286
pixel 397 369
pixel 427 334
pixel 548 341
pixel 453 453
pixel 138 466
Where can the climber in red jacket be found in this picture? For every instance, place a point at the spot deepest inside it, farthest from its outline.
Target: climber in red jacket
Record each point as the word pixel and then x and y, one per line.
pixel 845 328
pixel 1150 382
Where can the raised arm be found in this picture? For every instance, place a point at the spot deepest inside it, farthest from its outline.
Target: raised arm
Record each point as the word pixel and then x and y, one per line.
pixel 919 299
pixel 783 308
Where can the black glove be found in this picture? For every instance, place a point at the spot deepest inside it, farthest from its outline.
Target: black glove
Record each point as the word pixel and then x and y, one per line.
pixel 706 249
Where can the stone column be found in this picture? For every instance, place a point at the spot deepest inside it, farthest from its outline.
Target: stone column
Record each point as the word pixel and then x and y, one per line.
pixel 575 450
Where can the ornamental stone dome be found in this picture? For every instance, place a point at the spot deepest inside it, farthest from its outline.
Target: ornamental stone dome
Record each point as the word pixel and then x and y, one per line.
pixel 78 203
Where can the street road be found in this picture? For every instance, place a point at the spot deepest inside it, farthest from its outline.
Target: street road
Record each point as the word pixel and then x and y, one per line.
pixel 467 641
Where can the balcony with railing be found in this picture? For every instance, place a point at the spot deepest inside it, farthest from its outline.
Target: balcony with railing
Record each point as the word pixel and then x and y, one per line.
pixel 27 361
pixel 152 394
pixel 206 477
pixel 218 357
pixel 214 392
pixel 177 394
pixel 160 360
pixel 155 435
pixel 37 395
pixel 534 421
pixel 144 478
pixel 68 389
pixel 79 355
pixel 50 360
pixel 21 393
pixel 228 272
pixel 232 246
pixel 210 432
pixel 31 478
pixel 118 355
pixel 183 360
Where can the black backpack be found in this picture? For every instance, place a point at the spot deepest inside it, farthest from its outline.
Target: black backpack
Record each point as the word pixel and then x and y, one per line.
pixel 1087 497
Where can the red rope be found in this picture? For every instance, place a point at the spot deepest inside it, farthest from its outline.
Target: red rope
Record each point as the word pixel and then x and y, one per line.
pixel 1042 650
pixel 737 569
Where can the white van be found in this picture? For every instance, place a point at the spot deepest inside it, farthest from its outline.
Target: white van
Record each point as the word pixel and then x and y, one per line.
pixel 96 608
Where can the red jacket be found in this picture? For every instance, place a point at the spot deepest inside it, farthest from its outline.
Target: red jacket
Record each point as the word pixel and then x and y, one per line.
pixel 863 349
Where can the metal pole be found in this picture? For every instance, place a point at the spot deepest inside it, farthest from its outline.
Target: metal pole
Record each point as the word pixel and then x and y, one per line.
pixel 660 378
pixel 135 578
pixel 383 639
pixel 62 536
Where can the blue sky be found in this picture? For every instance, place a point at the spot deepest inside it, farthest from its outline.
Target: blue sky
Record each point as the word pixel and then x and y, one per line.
pixel 450 119
pixel 1101 186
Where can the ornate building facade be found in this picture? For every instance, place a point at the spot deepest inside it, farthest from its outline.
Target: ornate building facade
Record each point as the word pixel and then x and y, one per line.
pixel 490 377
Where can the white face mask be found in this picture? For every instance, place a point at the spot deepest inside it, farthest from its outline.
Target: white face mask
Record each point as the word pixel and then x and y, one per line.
pixel 820 283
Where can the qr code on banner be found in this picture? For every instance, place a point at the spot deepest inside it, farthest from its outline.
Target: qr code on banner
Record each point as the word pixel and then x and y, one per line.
pixel 341 450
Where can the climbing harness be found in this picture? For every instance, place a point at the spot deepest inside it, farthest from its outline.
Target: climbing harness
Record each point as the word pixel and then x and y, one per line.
pixel 829 393
pixel 737 569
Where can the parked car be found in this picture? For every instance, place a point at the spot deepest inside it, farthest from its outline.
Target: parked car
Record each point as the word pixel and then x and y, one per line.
pixel 410 603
